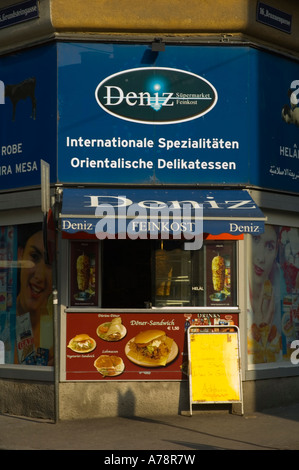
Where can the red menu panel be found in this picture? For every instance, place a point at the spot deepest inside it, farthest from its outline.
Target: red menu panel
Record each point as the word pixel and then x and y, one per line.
pixel 131 346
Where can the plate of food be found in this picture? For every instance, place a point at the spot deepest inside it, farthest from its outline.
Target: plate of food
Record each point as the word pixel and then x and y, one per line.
pixel 82 343
pixel 151 348
pixel 109 365
pixel 112 331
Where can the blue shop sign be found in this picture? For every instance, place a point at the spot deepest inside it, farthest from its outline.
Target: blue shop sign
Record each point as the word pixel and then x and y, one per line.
pixel 190 115
pixel 151 213
pixel 130 115
pixel 196 115
pixel 28 117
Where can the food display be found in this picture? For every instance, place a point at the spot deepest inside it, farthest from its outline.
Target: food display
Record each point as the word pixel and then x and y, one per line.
pixel 163 273
pixel 82 343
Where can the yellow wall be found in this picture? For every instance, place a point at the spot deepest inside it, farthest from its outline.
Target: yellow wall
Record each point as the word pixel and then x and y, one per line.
pixel 151 16
pixel 138 20
pixel 189 19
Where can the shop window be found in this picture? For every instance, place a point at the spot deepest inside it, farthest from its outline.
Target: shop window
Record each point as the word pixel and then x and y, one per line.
pixel 141 273
pixel 273 297
pixel 191 278
pixel 26 307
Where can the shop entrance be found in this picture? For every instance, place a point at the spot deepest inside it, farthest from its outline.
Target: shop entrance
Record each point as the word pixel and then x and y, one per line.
pixel 126 273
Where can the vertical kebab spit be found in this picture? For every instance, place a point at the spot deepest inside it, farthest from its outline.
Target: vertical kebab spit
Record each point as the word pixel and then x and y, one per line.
pixel 218 273
pixel 164 273
pixel 83 270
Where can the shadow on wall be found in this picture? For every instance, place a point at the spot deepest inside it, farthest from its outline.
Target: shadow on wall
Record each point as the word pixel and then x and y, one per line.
pixel 126 404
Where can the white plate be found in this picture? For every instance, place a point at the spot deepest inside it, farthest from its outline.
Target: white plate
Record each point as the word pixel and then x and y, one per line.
pixel 172 355
pixel 123 332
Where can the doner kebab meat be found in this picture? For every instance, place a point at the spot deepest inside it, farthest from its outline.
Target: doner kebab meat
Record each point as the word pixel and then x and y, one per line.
pixel 164 273
pixel 83 268
pixel 218 273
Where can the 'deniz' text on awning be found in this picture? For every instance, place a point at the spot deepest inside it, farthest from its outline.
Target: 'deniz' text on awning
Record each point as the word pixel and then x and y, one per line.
pixel 156 213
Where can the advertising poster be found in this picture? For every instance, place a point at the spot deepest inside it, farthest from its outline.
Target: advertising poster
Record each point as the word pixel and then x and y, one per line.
pixel 84 274
pixel 8 251
pixel 277 117
pixel 131 346
pixel 26 308
pixel 131 115
pixel 273 300
pixel 34 305
pixel 220 265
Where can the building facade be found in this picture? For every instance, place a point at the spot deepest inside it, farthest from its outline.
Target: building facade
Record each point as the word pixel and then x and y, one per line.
pixel 149 167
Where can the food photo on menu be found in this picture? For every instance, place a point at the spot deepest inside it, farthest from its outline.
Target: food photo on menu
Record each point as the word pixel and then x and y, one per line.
pixel 109 366
pixel 82 343
pixel 112 331
pixel 151 348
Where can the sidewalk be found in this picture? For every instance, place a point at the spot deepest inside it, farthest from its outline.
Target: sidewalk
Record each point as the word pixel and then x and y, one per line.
pixel 275 429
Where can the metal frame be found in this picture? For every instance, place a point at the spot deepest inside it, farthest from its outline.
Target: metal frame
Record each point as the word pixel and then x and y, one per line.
pixel 204 329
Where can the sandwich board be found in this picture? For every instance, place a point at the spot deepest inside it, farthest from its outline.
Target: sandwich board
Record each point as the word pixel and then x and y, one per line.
pixel 214 365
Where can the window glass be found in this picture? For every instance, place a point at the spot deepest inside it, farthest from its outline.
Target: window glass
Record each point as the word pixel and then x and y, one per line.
pixel 26 318
pixel 190 278
pixel 140 273
pixel 84 274
pixel 273 296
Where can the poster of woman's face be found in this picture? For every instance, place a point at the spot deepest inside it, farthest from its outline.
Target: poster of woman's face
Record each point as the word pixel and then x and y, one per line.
pixel 26 320
pixel 264 252
pixel 35 274
pixel 34 321
pixel 273 300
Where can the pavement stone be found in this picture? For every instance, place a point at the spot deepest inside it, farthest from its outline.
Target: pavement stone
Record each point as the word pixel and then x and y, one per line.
pixel 273 429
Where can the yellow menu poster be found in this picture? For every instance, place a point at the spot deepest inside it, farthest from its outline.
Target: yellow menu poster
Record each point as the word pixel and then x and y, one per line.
pixel 214 367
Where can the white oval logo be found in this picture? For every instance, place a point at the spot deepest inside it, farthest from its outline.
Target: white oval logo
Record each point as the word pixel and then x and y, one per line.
pixel 156 95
